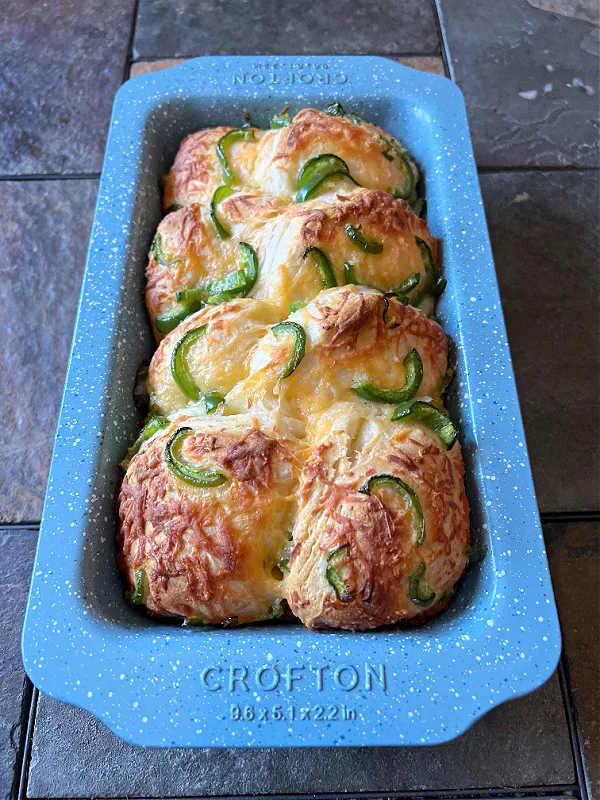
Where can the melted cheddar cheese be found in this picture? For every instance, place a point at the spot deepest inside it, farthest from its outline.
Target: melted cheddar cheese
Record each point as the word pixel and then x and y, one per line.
pixel 348 342
pixel 218 359
pixel 293 485
pixel 198 547
pixel 197 173
pixel 364 148
pixel 350 444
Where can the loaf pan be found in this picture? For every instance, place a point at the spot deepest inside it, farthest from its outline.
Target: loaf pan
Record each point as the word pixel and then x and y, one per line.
pixel 281 685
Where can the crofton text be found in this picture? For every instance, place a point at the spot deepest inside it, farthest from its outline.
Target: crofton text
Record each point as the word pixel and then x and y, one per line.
pixel 289 677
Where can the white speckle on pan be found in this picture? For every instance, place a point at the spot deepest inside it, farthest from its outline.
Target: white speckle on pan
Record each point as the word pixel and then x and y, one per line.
pixel 530 94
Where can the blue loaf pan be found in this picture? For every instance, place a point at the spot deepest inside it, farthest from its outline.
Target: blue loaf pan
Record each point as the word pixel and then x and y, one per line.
pixel 279 684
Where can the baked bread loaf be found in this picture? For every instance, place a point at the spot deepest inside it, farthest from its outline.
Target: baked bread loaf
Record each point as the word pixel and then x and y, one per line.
pixel 297 450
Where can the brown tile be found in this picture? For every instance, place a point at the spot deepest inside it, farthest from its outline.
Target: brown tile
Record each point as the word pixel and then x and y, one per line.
pixel 424 64
pixel 574 553
pixel 144 67
pixel 44 229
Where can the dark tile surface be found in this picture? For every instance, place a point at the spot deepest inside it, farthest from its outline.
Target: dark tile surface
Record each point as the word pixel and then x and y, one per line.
pixel 527 75
pixel 44 230
pixel 62 62
pixel 544 231
pixel 530 79
pixel 17 549
pixel 73 755
pixel 574 553
pixel 171 28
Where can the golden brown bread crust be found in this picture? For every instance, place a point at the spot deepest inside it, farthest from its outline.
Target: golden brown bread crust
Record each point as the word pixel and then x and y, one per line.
pixel 194 252
pixel 378 530
pixel 280 237
pixel 196 545
pixel 389 217
pixel 249 208
pixel 347 342
pixel 296 452
pixel 187 244
pixel 342 440
pixel 218 359
pixel 286 276
pixel 282 153
pixel 196 172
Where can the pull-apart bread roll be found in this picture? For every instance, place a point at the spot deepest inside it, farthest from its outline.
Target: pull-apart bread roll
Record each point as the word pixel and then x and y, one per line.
pixel 288 254
pixel 280 215
pixel 367 238
pixel 199 256
pixel 320 152
pixel 198 169
pixel 204 357
pixel 356 345
pixel 206 509
pixel 383 526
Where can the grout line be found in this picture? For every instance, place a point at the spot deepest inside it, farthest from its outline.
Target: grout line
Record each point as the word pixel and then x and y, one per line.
pixel 486 170
pixel 444 49
pixel 19 526
pixel 560 791
pixel 83 176
pixel 439 16
pixel 574 733
pixel 26 700
pixel 569 516
pixel 547 518
pixel 566 791
pixel 22 791
pixel 129 56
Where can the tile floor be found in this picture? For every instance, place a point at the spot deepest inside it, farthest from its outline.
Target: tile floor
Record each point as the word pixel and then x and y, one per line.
pixel 529 72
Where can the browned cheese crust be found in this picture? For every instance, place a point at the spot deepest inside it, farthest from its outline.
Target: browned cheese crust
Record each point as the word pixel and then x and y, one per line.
pixel 286 275
pixel 297 452
pixel 191 252
pixel 196 172
pixel 198 546
pixel 282 153
pixel 348 341
pixel 376 532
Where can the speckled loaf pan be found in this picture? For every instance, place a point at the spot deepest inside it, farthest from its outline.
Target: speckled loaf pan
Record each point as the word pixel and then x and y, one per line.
pixel 281 684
